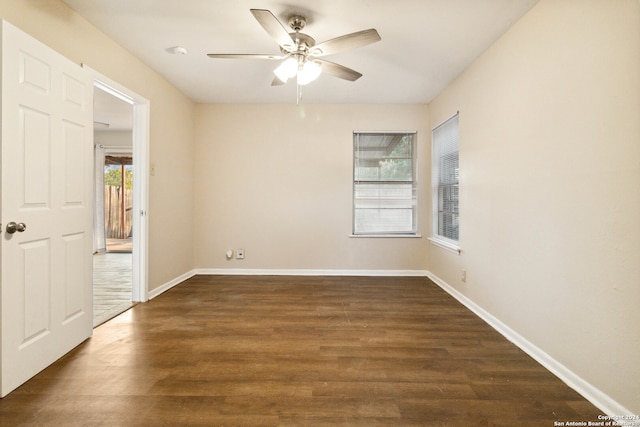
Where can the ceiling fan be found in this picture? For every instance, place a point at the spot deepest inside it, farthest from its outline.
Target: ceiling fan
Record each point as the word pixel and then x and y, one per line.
pixel 300 54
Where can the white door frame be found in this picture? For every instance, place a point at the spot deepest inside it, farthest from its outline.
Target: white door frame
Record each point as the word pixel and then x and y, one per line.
pixel 140 178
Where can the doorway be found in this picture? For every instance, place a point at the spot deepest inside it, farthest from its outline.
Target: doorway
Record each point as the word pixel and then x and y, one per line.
pixel 113 225
pixel 121 158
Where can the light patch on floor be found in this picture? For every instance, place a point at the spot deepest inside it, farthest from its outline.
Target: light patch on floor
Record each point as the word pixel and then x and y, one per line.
pixel 112 285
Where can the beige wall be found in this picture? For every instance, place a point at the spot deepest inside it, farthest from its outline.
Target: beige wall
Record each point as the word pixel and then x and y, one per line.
pixel 171 123
pixel 276 180
pixel 550 179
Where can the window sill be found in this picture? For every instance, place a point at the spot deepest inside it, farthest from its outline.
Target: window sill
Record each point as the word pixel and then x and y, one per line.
pixel 386 236
pixel 445 245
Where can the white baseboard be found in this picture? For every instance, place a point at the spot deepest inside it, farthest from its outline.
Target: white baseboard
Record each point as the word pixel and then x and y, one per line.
pixel 601 400
pixel 309 272
pixel 170 284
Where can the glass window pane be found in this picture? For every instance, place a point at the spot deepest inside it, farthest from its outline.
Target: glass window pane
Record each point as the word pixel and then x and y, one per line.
pixel 396 170
pixel 384 190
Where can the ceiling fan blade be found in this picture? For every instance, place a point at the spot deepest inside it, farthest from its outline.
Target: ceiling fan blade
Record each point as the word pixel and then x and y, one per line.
pixel 245 56
pixel 277 82
pixel 338 70
pixel 272 26
pixel 348 41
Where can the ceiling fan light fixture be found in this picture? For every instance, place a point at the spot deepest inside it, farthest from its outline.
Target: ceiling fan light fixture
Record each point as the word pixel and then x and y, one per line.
pixel 287 69
pixel 308 72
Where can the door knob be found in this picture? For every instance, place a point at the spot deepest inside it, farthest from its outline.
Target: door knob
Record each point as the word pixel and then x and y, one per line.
pixel 12 227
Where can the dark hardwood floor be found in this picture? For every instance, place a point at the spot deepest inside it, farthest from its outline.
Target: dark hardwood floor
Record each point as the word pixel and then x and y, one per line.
pixel 295 351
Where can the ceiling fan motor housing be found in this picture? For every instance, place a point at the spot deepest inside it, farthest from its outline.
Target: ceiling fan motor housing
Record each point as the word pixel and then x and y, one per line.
pixel 297 22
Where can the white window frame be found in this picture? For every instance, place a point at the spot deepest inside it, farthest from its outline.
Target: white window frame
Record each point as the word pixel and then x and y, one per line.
pixel 357 202
pixel 445 137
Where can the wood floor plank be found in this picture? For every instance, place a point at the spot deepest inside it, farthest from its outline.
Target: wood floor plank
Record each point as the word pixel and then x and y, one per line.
pixel 296 351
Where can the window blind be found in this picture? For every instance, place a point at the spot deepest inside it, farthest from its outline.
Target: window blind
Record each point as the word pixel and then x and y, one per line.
pixel 445 179
pixel 384 189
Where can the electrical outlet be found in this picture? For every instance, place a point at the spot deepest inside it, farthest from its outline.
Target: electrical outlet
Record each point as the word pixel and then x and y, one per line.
pixel 463 275
pixel 239 253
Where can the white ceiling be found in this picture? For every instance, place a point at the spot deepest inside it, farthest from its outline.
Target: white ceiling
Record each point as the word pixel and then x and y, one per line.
pixel 425 44
pixel 111 113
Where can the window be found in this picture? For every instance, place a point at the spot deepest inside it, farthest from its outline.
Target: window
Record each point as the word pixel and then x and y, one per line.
pixel 445 181
pixel 384 183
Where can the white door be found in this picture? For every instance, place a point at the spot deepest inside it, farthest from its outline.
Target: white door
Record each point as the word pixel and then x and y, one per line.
pixel 47 178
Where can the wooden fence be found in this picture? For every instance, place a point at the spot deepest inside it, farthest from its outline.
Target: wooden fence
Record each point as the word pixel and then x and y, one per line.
pixel 113 212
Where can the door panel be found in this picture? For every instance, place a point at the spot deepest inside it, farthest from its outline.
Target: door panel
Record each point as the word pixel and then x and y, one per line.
pixel 47 184
pixel 75 286
pixel 36 291
pixel 33 145
pixel 34 73
pixel 74 138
